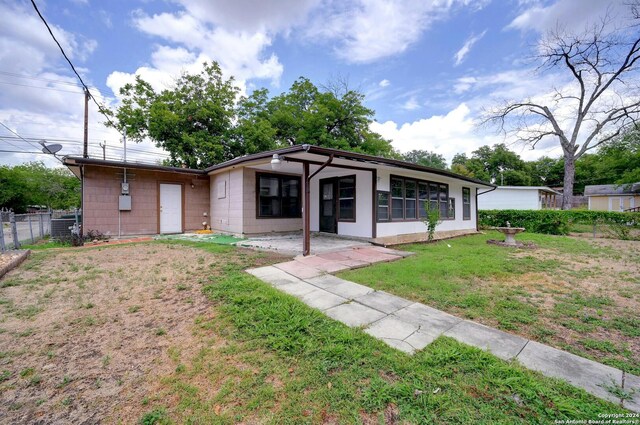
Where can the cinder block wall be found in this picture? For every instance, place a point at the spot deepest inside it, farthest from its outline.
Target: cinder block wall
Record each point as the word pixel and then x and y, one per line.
pixel 102 188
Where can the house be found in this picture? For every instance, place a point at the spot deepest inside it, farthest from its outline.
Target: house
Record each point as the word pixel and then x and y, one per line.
pixel 611 197
pixel 520 198
pixel 300 188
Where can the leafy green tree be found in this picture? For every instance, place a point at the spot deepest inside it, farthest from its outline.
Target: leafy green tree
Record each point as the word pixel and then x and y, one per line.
pixel 193 121
pixel 35 184
pixel 307 115
pixel 426 158
pixel 201 122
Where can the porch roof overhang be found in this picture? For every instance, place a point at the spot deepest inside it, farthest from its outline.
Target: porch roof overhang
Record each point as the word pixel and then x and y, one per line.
pixel 315 155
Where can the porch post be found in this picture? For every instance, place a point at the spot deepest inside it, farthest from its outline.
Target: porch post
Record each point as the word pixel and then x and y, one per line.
pixel 306 211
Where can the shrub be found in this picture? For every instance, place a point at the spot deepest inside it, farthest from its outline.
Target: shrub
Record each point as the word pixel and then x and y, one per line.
pixel 555 222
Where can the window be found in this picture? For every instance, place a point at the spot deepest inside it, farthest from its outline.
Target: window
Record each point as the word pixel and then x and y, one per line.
pixel 466 203
pixel 278 196
pixel 383 206
pixel 451 214
pixel 408 198
pixel 443 197
pixel 397 199
pixel 347 198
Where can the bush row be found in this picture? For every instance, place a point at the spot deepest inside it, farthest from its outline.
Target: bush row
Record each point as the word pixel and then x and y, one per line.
pixel 554 222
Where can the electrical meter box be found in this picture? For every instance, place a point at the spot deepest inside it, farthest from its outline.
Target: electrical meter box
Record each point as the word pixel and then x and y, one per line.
pixel 125 188
pixel 124 203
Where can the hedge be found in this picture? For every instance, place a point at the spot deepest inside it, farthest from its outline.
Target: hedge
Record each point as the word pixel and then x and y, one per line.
pixel 554 222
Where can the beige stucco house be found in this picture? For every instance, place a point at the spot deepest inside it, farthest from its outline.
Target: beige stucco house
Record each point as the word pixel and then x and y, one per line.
pixel 610 197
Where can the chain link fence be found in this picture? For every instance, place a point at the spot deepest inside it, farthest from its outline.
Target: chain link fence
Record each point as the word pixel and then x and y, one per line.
pixel 19 229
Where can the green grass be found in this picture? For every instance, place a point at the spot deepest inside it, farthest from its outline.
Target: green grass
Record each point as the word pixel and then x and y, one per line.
pixel 46 244
pixel 505 288
pixel 288 363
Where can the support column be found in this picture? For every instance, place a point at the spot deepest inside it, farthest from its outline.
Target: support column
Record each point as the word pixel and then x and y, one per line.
pixel 306 211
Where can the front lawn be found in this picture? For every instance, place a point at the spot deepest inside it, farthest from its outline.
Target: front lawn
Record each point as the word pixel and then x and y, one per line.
pixel 176 332
pixel 579 295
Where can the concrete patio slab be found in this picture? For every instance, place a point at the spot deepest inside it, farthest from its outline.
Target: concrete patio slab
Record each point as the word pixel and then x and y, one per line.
pixel 501 344
pixel 350 290
pixel 429 319
pixel 333 256
pixel 273 275
pixel 326 281
pixel 322 300
pixel 581 372
pixel 297 289
pixel 299 270
pixel 354 314
pixel 332 267
pixel 384 250
pixel 383 301
pixel 400 345
pixel 312 260
pixel 632 385
pixel 391 328
pixel 420 339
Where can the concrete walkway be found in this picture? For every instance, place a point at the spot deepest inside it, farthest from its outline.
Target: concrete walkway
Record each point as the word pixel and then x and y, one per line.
pixel 410 326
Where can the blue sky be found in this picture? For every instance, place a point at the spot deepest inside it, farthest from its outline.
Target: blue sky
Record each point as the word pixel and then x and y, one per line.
pixel 427 67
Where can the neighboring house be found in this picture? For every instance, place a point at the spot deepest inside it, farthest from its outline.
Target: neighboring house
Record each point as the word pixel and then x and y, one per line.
pixel 611 197
pixel 350 194
pixel 520 198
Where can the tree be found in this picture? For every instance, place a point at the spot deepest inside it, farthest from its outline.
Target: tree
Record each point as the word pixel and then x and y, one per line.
pixel 201 122
pixel 495 164
pixel 34 184
pixel 426 158
pixel 602 96
pixel 193 121
pixel 331 118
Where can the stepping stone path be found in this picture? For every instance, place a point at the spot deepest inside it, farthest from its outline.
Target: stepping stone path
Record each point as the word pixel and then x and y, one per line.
pixel 409 326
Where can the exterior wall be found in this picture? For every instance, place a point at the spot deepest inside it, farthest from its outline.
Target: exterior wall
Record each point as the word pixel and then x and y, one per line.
pixel 226 201
pixel 510 199
pixel 385 229
pixel 613 202
pixel 251 224
pixel 362 227
pixel 101 188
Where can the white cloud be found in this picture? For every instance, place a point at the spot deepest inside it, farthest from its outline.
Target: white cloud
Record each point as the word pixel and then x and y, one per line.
pixel 42 103
pixel 26 46
pixel 411 104
pixel 367 31
pixel 447 134
pixel 240 54
pixel 466 48
pixel 568 14
pixel 384 83
pixel 251 15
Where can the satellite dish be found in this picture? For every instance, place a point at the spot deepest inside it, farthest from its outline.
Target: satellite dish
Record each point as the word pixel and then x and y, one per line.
pixel 52 149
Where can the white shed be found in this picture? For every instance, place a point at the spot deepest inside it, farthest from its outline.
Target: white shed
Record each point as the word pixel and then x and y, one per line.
pixel 519 198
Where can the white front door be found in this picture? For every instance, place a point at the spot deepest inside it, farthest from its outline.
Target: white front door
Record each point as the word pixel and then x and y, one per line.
pixel 170 208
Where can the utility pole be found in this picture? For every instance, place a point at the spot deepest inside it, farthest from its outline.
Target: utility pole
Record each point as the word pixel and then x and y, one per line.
pixel 104 150
pixel 86 123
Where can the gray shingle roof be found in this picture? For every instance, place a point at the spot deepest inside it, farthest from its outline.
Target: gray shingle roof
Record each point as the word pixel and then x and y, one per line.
pixel 612 189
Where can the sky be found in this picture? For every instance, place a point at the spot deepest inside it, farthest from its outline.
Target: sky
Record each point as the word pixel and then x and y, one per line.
pixel 427 67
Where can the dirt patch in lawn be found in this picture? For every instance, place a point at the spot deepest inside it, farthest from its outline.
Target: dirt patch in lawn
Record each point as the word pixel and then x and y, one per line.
pixel 587 305
pixel 82 330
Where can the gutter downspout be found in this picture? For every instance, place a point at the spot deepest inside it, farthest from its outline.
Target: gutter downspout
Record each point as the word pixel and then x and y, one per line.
pixel 478 194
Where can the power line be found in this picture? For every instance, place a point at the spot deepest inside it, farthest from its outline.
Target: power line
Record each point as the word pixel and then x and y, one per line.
pixel 40 87
pixel 2 124
pixel 100 108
